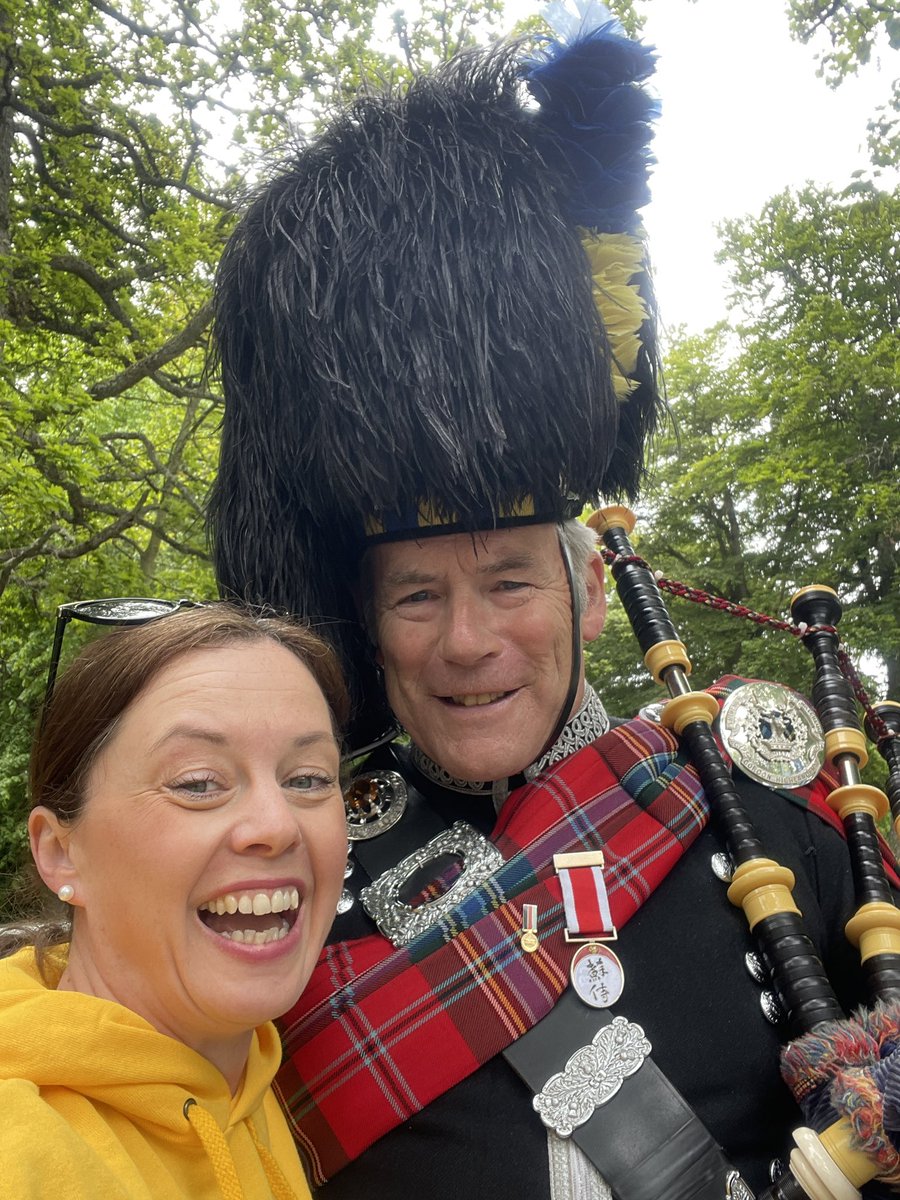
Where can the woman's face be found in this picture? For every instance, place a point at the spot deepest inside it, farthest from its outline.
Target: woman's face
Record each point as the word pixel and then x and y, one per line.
pixel 209 858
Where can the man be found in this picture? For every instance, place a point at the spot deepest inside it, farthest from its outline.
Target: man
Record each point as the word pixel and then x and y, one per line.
pixel 475 640
pixel 436 333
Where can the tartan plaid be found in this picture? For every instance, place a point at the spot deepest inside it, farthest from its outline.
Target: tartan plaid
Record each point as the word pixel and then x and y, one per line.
pixel 359 1044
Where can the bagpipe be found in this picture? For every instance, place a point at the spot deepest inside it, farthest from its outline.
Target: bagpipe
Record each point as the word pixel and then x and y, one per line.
pixel 844 1072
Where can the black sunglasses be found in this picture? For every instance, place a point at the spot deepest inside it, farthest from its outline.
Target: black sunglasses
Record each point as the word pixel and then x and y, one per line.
pixel 116 610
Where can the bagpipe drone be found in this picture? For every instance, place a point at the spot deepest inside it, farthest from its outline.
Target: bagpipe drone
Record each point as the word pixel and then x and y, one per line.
pixel 844 1073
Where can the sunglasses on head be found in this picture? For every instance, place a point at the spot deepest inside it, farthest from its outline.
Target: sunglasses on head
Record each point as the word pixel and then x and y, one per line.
pixel 115 610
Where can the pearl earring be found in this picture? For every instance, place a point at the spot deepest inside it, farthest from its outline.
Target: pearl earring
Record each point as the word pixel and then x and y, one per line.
pixel 66 893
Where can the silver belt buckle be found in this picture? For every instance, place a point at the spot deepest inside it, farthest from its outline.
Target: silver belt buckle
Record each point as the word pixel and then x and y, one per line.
pixel 400 922
pixel 592 1076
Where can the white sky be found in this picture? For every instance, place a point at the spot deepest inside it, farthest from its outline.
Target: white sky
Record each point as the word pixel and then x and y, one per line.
pixel 743 116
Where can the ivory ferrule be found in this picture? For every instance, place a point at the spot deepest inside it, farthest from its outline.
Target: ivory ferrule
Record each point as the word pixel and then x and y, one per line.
pixel 859 798
pixel 614 516
pixel 856 1166
pixel 667 654
pixel 762 887
pixel 845 740
pixel 817 1169
pixel 682 710
pixel 875 929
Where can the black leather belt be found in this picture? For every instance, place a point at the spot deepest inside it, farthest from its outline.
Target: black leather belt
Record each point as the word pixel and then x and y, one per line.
pixel 647 1142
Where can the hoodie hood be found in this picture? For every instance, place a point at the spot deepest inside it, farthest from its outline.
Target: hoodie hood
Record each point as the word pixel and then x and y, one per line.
pixel 127 1075
pixel 114 1057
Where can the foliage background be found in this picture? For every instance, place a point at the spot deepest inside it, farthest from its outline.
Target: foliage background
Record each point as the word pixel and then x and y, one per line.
pixel 129 134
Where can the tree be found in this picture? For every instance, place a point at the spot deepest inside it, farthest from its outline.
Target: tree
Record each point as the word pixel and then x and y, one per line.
pixel 128 135
pixel 782 467
pixel 855 29
pixel 114 205
pixel 852 27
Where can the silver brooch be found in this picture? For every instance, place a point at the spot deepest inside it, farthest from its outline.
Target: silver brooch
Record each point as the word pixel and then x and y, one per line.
pixel 592 1076
pixel 373 803
pixel 772 734
pixel 401 922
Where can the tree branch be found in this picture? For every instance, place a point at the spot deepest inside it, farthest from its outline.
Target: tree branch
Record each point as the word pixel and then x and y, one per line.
pixel 183 340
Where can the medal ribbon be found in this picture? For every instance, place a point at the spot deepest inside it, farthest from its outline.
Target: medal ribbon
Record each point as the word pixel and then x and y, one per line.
pixel 588 917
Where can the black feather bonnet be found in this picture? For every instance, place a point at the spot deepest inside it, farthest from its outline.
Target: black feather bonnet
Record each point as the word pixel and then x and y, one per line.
pixel 436 316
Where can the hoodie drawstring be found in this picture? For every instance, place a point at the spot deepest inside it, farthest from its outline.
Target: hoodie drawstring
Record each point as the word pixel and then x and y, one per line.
pixel 213 1142
pixel 281 1189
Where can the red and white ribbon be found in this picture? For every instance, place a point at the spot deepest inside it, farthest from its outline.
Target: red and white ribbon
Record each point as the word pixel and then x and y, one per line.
pixel 584 895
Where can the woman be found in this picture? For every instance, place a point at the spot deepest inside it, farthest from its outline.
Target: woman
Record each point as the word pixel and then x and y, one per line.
pixel 187 810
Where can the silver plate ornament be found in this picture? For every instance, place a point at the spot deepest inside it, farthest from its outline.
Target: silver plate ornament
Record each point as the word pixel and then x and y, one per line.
pixel 400 922
pixel 772 734
pixel 592 1076
pixel 736 1189
pixel 373 803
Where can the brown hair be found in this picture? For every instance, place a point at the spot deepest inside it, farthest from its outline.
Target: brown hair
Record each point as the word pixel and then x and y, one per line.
pixel 107 676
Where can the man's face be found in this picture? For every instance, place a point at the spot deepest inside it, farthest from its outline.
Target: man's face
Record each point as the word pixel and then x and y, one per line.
pixel 474 634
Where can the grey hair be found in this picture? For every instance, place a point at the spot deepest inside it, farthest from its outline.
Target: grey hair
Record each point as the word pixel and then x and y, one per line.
pixel 581 543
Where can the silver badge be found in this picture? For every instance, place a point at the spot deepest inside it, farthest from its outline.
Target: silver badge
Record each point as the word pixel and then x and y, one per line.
pixel 772 734
pixel 401 922
pixel 592 1076
pixel 373 803
pixel 597 975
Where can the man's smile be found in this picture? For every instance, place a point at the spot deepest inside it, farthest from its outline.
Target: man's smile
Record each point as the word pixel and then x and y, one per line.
pixel 476 699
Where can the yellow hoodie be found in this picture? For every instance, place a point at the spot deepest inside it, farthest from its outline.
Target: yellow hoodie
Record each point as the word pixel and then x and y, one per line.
pixel 95 1104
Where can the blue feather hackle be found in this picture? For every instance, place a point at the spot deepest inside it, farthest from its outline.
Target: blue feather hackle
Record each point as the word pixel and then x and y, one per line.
pixel 569 19
pixel 588 86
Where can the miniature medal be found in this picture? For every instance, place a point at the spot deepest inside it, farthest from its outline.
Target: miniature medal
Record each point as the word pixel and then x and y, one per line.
pixel 772 734
pixel 528 938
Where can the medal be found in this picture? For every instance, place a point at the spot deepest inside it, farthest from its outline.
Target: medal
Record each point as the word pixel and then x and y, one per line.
pixel 528 938
pixel 597 975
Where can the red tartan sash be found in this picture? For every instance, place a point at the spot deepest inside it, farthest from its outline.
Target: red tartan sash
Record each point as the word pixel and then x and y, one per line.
pixel 359 1044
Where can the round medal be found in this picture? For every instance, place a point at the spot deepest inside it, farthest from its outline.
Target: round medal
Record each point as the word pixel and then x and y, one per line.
pixel 597 975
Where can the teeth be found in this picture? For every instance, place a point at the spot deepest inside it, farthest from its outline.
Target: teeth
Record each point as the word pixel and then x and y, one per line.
pixel 258 903
pixel 481 698
pixel 257 937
